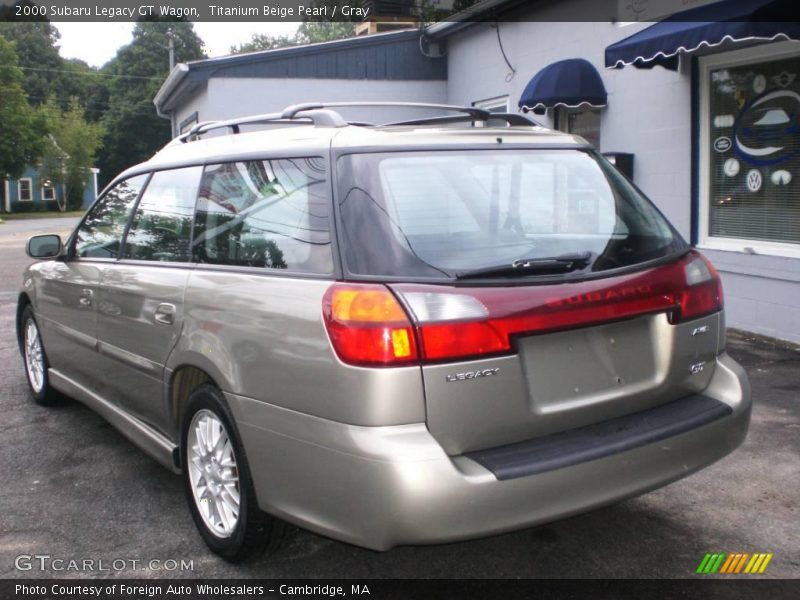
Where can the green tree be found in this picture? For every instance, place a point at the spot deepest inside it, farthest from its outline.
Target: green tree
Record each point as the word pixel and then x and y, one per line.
pixel 71 153
pixel 47 74
pixel 22 131
pixel 311 32
pixel 38 56
pixel 262 41
pixel 133 130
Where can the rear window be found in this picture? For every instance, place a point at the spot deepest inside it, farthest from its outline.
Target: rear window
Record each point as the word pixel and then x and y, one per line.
pixel 443 214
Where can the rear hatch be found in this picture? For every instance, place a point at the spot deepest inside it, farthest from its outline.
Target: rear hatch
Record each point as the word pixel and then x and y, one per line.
pixel 542 291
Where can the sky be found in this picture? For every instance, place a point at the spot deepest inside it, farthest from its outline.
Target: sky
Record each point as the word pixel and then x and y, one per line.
pixel 97 43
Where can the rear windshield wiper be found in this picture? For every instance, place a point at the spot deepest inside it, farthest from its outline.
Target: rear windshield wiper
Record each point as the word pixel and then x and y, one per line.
pixel 528 266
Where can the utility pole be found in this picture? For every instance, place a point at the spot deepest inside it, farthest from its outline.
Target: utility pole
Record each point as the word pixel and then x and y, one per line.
pixel 171 47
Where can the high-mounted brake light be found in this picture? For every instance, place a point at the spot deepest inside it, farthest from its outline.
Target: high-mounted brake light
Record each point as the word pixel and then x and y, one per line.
pixel 368 326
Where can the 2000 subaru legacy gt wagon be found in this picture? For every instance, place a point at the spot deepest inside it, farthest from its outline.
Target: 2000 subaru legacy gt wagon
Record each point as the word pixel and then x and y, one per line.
pixel 409 333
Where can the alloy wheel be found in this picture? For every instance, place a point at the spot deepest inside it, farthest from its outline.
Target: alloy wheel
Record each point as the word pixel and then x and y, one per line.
pixel 213 473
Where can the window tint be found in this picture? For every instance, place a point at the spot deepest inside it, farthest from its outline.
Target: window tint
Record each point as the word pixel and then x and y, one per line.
pixel 162 225
pixel 100 234
pixel 269 213
pixel 444 213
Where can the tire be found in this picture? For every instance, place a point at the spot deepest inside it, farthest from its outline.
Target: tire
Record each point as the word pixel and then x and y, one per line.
pixel 214 470
pixel 34 360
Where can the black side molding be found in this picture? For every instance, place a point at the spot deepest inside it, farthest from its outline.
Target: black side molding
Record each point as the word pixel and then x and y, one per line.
pixel 575 446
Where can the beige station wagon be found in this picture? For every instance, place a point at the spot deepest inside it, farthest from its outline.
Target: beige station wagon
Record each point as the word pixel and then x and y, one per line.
pixel 406 333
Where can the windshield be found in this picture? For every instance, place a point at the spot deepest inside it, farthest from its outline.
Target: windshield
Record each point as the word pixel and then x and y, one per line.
pixel 448 213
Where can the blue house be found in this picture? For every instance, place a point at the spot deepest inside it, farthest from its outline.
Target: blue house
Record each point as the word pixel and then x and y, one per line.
pixel 33 191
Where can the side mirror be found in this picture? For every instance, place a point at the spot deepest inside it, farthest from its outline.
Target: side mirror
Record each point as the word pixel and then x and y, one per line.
pixel 44 246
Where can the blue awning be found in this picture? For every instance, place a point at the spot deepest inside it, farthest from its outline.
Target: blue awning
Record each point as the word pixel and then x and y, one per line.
pixel 730 21
pixel 573 82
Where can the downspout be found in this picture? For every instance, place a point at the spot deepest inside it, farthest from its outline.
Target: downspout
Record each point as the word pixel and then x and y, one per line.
pixel 176 75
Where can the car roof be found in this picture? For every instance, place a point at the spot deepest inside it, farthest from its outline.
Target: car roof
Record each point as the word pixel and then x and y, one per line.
pixel 311 140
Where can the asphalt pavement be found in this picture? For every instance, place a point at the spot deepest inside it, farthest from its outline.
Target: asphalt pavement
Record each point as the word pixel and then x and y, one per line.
pixel 74 489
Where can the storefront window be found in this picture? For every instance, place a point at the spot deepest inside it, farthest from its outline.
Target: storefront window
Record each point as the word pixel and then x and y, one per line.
pixel 584 122
pixel 752 148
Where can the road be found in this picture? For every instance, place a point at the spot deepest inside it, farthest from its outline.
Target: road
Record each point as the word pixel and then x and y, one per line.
pixel 74 488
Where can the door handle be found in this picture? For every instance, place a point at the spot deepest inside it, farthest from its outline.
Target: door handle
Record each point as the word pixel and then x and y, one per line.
pixel 165 313
pixel 86 297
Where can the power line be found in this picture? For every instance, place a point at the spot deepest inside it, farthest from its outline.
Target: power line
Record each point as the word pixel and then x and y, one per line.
pixel 141 106
pixel 72 72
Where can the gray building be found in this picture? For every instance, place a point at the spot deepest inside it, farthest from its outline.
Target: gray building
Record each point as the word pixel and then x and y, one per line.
pixel 384 66
pixel 707 104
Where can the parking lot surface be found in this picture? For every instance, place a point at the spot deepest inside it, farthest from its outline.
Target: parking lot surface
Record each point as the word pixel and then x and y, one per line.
pixel 74 489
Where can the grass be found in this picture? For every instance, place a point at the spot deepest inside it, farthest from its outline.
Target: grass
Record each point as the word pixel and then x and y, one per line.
pixel 50 214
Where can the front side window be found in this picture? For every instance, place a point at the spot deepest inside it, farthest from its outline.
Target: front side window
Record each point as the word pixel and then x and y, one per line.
pixel 270 214
pixel 447 213
pixel 752 150
pixel 100 234
pixel 162 224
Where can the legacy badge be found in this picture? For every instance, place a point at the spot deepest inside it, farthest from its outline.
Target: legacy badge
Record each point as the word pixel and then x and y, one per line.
pixel 472 375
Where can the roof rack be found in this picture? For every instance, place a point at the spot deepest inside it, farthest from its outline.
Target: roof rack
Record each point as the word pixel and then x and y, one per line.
pixel 320 114
pixel 291 111
pixel 470 113
pixel 322 118
pixel 511 119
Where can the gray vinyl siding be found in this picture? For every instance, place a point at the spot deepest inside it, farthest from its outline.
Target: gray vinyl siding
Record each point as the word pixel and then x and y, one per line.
pixel 397 60
pixel 256 95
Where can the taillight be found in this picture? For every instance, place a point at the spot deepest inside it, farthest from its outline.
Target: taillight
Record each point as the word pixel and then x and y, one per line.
pixel 367 326
pixel 702 291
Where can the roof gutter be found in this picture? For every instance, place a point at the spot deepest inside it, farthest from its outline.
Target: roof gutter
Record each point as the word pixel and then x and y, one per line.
pixel 175 77
pixel 483 11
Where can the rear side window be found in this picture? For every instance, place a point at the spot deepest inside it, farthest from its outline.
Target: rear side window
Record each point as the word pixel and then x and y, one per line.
pixel 100 234
pixel 162 224
pixel 269 214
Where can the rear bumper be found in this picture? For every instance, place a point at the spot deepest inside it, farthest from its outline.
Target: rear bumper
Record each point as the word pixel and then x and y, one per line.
pixel 380 487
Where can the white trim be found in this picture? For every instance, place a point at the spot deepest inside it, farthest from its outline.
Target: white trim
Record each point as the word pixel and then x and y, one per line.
pixel 495 102
pixel 751 247
pixel 95 171
pixel 7 198
pixel 562 105
pixel 19 189
pixel 726 38
pixel 734 58
pixel 51 188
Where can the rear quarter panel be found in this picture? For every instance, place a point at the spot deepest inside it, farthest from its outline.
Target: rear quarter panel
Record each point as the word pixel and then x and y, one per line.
pixel 263 337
